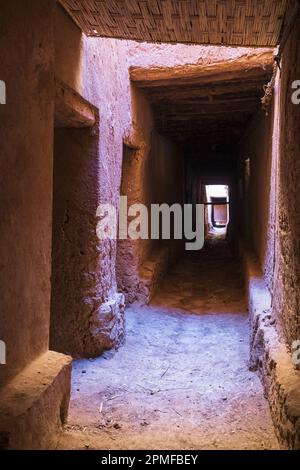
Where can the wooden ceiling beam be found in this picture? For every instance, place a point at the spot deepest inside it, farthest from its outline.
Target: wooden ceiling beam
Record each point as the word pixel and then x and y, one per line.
pixel 212 93
pixel 254 65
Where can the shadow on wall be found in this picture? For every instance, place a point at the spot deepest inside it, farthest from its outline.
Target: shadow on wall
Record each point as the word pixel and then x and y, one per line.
pixel 75 259
pixel 68 49
pixel 127 260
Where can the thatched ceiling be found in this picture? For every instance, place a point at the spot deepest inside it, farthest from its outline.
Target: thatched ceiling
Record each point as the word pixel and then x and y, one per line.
pixel 206 103
pixel 229 22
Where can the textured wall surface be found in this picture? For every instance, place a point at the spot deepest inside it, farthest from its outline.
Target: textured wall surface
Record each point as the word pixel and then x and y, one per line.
pixel 82 322
pixel 259 145
pixel 125 116
pixel 87 310
pixel 274 232
pixel 151 174
pixel 34 404
pixel 26 180
pixel 272 359
pixel 287 292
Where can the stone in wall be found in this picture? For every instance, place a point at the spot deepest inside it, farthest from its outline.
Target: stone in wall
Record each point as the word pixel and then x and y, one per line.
pixel 287 275
pixel 272 359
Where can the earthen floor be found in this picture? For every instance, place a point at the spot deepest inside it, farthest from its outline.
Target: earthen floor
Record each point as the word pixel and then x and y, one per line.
pixel 181 380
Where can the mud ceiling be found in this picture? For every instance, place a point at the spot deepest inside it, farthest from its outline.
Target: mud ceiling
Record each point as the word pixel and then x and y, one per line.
pixel 229 22
pixel 212 103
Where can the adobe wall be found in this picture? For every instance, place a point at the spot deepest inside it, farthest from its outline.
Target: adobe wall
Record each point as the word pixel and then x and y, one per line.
pixel 125 117
pixel 156 176
pixel 99 70
pixel 87 314
pixel 35 382
pixel 273 279
pixel 100 73
pixel 259 144
pixel 287 286
pixel 26 180
pixel 273 145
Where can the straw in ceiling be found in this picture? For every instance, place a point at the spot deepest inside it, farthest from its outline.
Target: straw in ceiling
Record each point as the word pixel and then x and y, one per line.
pixel 229 22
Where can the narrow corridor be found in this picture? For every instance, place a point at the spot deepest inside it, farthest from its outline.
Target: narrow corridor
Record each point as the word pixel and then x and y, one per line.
pixel 181 381
pixel 130 132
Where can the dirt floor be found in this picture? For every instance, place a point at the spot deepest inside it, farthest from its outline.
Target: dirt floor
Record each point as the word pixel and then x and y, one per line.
pixel 181 381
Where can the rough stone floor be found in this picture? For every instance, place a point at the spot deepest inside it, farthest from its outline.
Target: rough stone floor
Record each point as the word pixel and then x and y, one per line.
pixel 181 381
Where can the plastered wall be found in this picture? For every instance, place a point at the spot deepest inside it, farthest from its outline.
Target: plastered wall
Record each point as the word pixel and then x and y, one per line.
pixel 26 159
